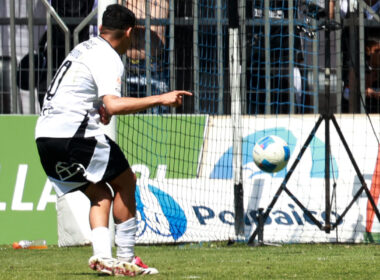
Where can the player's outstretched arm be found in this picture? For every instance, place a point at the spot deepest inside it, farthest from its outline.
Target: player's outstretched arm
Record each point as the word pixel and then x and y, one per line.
pixel 128 105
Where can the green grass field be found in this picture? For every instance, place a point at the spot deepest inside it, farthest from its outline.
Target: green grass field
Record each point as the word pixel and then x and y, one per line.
pixel 205 261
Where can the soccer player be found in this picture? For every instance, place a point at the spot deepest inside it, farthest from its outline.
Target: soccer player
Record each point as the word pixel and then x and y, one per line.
pixel 77 155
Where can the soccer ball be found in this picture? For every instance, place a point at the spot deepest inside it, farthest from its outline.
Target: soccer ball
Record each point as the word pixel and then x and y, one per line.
pixel 271 153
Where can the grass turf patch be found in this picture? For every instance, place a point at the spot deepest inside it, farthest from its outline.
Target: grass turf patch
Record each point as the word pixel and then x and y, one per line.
pixel 205 261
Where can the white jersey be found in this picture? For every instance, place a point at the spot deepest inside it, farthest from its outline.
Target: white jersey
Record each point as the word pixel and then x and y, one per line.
pixel 91 70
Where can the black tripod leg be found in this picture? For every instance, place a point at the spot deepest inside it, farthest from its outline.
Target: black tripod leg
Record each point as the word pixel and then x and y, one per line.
pixel 360 176
pixel 287 177
pixel 303 208
pixel 340 218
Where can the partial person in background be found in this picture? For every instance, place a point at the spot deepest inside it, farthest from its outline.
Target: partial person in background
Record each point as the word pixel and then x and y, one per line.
pixel 373 65
pixel 21 36
pixel 372 59
pixel 372 55
pixel 77 155
pixel 65 9
pixel 136 71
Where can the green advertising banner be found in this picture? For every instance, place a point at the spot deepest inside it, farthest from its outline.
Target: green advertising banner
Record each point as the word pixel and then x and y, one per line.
pixel 27 203
pixel 27 200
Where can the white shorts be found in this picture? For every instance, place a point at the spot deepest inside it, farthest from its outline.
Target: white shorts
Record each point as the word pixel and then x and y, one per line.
pixel 73 163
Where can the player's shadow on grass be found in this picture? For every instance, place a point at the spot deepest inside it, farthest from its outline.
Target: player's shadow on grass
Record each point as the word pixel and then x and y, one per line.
pixel 86 274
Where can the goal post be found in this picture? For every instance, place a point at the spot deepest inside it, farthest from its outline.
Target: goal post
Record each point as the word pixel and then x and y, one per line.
pixel 236 112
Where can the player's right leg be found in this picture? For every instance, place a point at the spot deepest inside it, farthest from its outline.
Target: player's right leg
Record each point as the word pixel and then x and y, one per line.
pixel 100 197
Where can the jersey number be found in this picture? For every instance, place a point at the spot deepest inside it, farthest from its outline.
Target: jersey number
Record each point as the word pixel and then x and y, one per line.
pixel 52 90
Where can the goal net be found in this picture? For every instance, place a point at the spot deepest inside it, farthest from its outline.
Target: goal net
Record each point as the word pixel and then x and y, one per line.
pixel 255 68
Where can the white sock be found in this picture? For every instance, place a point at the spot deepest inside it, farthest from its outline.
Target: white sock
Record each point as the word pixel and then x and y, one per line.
pixel 101 242
pixel 125 239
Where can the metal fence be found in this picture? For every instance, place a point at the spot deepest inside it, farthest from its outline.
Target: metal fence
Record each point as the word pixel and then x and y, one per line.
pixel 275 40
pixel 36 36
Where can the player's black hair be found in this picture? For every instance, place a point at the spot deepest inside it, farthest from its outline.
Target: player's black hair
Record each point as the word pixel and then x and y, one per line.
pixel 118 17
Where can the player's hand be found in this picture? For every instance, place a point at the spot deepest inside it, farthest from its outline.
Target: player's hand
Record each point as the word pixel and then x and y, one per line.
pixel 174 98
pixel 105 118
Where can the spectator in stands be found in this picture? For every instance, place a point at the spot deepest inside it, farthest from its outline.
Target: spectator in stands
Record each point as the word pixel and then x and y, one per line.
pixel 373 65
pixel 136 80
pixel 372 56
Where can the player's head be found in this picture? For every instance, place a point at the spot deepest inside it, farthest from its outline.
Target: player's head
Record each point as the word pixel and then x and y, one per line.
pixel 116 19
pixel 117 24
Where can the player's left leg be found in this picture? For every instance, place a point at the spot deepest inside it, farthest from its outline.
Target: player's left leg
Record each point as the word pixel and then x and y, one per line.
pixel 124 211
